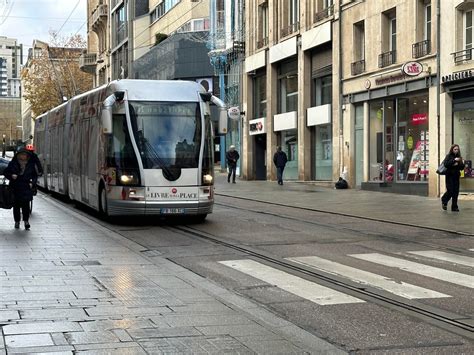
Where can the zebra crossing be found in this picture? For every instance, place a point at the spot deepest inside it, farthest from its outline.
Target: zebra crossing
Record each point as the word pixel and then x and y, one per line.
pixel 326 296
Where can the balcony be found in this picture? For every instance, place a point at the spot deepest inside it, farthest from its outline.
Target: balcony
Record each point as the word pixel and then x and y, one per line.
pixel 421 49
pixel 262 43
pixel 358 67
pixel 462 56
pixel 387 58
pixel 88 62
pixel 290 29
pixel 99 17
pixel 323 14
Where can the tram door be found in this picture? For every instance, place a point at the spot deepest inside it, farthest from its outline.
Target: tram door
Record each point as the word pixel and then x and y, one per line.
pixel 260 157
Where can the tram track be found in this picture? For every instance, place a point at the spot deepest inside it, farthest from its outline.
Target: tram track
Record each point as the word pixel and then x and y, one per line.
pixel 457 324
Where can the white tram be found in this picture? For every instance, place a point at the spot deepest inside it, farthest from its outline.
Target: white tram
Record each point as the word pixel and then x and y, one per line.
pixel 133 147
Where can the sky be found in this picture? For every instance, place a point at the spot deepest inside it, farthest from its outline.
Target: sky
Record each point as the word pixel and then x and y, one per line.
pixel 26 20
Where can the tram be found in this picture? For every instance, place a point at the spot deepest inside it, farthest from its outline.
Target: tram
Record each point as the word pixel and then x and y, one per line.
pixel 133 147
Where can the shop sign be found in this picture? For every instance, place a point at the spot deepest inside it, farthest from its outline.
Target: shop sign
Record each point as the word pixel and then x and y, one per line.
pixel 390 79
pixel 234 113
pixel 257 126
pixel 460 75
pixel 419 118
pixel 412 68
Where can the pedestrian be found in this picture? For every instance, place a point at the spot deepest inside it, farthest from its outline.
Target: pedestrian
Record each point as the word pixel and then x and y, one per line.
pixel 454 163
pixel 232 156
pixel 280 159
pixel 21 172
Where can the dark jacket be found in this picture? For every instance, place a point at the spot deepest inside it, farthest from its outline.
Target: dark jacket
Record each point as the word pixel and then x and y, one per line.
pixel 36 161
pixel 21 185
pixel 232 157
pixel 280 159
pixel 451 169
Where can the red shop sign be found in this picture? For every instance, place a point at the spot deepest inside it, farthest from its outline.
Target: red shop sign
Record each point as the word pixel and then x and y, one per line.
pixel 419 118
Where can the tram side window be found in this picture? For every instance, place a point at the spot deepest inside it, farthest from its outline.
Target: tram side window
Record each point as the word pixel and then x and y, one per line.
pixel 120 152
pixel 208 157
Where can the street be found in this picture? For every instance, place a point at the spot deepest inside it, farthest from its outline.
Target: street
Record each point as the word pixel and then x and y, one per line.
pixel 254 278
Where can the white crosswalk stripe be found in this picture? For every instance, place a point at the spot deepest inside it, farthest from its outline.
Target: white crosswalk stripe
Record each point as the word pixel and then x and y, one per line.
pixel 367 278
pixel 306 289
pixel 441 255
pixel 417 268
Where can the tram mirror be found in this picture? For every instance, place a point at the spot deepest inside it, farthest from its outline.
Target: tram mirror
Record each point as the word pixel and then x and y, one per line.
pixel 222 124
pixel 106 120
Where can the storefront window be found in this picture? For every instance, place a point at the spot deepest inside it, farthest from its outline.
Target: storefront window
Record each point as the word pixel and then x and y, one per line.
pixel 412 139
pixel 376 141
pixel 323 152
pixel 289 144
pixel 260 96
pixel 463 135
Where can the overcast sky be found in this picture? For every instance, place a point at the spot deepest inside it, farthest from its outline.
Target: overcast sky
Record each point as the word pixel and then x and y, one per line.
pixel 33 19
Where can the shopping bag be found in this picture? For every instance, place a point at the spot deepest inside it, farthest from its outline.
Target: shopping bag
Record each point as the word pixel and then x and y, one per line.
pixel 441 169
pixel 7 198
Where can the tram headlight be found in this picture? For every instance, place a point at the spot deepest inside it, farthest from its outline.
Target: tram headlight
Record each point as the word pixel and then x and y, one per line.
pixel 207 179
pixel 128 178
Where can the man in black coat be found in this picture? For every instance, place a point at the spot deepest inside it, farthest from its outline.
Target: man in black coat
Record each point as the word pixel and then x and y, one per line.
pixel 21 172
pixel 232 156
pixel 280 159
pixel 454 163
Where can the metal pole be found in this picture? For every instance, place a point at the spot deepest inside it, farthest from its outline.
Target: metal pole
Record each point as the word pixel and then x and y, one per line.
pixel 438 85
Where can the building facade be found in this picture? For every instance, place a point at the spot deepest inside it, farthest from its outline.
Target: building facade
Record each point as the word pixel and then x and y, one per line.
pixel 291 89
pixel 11 59
pixel 457 84
pixel 390 92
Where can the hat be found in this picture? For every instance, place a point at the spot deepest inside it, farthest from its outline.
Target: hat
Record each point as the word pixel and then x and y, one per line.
pixel 232 146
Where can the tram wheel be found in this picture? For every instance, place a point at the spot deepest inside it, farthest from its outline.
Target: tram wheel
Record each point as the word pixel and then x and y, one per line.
pixel 103 209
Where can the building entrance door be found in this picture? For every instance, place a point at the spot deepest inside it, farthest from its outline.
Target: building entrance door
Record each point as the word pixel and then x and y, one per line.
pixel 260 157
pixel 359 144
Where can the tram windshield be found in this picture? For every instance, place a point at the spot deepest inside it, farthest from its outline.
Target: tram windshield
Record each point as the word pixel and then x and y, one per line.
pixel 168 134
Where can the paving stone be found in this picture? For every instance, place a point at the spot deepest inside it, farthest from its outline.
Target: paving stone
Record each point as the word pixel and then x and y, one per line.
pixel 196 345
pixel 234 330
pixel 62 349
pixel 37 296
pixel 122 335
pixel 9 315
pixel 30 340
pixel 115 351
pixel 267 345
pixel 106 346
pixel 75 338
pixel 130 311
pixel 205 320
pixel 41 327
pixel 59 339
pixel 164 332
pixel 74 314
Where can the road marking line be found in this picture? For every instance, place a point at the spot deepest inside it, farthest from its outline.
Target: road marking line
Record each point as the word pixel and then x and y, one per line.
pixel 441 255
pixel 290 283
pixel 416 268
pixel 367 278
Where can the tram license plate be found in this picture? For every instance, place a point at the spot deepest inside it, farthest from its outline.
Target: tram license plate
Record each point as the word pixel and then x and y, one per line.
pixel 172 210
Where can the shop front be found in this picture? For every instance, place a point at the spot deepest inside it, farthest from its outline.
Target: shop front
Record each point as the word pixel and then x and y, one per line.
pixel 390 132
pixel 459 87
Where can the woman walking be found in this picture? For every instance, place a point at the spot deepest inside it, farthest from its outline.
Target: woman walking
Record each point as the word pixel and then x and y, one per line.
pixel 454 163
pixel 21 172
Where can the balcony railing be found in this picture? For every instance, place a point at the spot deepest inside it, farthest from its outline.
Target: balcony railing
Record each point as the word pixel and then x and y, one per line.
pixel 321 15
pixel 262 43
pixel 290 29
pixel 358 67
pixel 421 49
pixel 99 16
pixel 387 58
pixel 87 62
pixel 462 56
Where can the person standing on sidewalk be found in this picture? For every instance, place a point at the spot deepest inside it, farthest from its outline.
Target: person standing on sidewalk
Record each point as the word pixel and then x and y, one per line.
pixel 280 159
pixel 232 156
pixel 21 171
pixel 454 163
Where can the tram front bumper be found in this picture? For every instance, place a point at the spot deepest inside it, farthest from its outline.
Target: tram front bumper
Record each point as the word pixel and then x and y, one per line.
pixel 141 208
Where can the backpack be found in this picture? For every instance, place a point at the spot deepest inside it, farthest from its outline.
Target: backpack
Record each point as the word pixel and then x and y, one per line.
pixel 341 184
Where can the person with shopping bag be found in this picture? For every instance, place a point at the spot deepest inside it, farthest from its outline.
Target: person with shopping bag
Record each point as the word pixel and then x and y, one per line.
pixel 22 174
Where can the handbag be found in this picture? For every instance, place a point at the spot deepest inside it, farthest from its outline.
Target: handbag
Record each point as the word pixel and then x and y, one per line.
pixel 7 197
pixel 441 169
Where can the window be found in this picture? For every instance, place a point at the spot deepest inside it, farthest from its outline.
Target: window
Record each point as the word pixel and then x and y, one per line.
pixel 468 29
pixel 288 87
pixel 290 17
pixel 293 12
pixel 262 25
pixel 359 41
pixel 260 96
pixel 322 90
pixel 393 34
pixel 427 22
pixel 220 15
